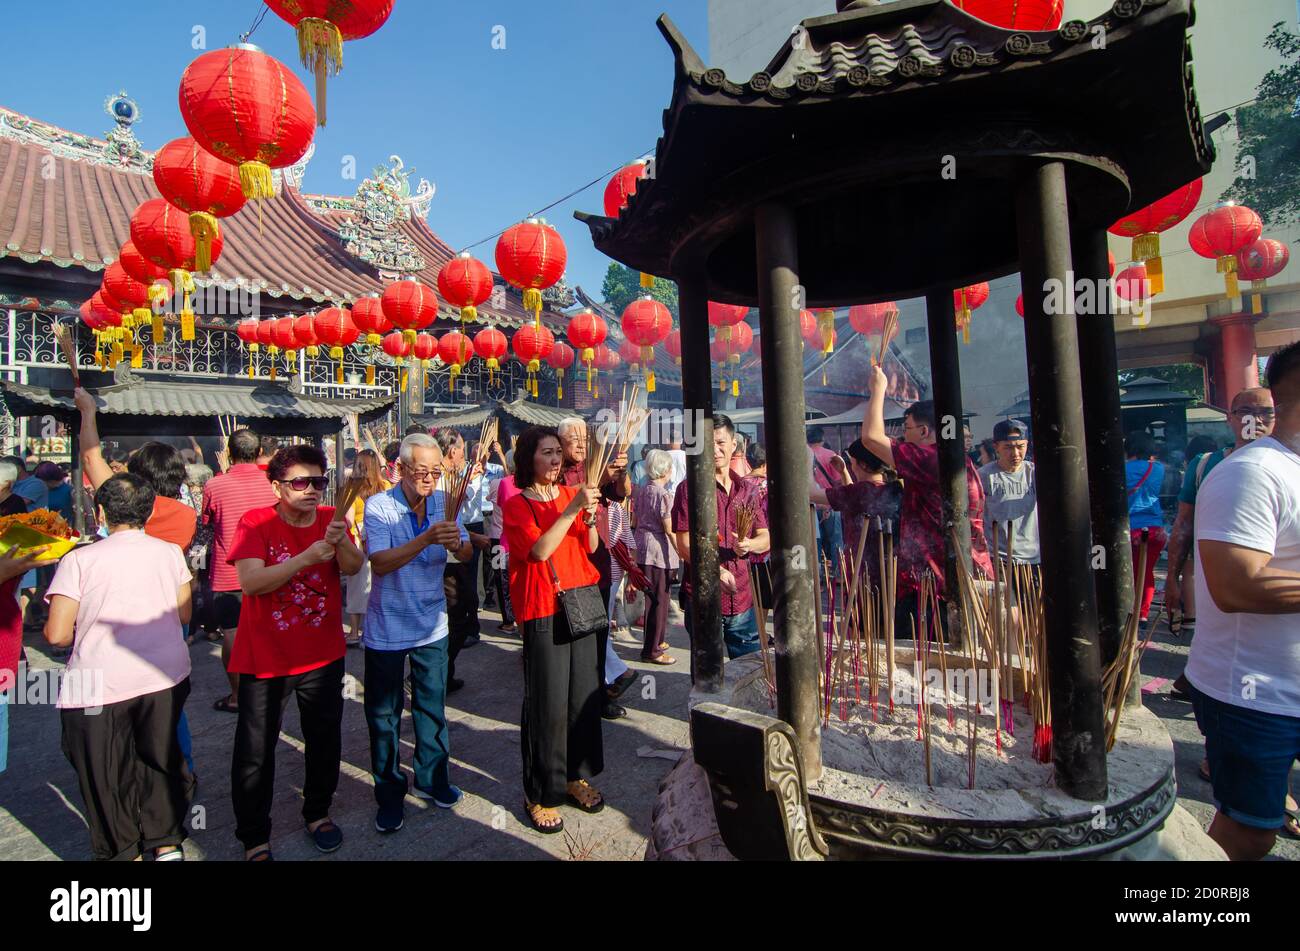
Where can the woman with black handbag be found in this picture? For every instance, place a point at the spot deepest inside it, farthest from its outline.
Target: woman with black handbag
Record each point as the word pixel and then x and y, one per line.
pixel 551 530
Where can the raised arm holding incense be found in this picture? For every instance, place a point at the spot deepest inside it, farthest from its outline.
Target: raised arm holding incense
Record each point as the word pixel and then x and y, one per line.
pixel 92 455
pixel 873 436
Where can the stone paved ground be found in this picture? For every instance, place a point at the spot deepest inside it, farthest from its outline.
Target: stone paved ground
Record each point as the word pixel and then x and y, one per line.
pixel 40 805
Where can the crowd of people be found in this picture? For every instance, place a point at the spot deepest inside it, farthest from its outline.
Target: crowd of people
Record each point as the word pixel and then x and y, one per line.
pixel 247 553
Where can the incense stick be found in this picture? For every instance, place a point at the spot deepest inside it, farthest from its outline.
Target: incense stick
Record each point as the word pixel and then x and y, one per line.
pixel 69 351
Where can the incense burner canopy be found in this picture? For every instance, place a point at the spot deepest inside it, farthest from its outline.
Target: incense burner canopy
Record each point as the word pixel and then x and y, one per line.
pixel 882 124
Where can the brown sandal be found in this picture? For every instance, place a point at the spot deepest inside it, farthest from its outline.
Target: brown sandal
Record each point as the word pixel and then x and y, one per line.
pixel 663 660
pixel 590 799
pixel 537 814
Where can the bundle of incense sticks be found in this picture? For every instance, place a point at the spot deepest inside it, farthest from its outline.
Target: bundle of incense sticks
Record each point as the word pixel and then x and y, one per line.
pixel 1119 674
pixel 1025 581
pixel 456 484
pixel 68 349
pixel 746 513
pixel 760 609
pixel 849 585
pixel 345 496
pixel 887 333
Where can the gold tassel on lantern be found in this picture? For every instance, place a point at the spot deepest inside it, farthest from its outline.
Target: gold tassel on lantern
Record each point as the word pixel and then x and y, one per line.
pixel 1146 248
pixel 533 305
pixel 370 374
pixel 559 386
pixel 291 358
pixel 338 373
pixel 1227 266
pixel 492 365
pixel 826 324
pixel 272 352
pixel 468 315
pixel 647 280
pixel 1256 298
pixel 137 358
pixel 205 229
pixel 735 387
pixel 320 47
pixel 256 181
pixel 252 359
pixel 409 336
pixel 406 376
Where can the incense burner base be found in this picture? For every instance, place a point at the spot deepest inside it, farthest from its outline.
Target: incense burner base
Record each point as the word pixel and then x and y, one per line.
pixel 855 816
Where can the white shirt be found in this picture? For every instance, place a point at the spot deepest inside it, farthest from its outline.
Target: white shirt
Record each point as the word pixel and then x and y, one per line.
pixel 678 457
pixel 1251 499
pixel 476 505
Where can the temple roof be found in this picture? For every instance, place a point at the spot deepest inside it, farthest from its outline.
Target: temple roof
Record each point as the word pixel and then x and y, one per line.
pixel 67 199
pixel 521 410
pixel 910 118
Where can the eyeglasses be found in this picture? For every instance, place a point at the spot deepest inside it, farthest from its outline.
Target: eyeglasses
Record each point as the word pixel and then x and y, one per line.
pixel 422 475
pixel 1261 413
pixel 301 484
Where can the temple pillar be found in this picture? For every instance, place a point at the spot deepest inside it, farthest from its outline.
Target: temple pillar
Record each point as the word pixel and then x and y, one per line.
pixel 697 407
pixel 792 561
pixel 949 418
pixel 1104 437
pixel 1065 525
pixel 1236 354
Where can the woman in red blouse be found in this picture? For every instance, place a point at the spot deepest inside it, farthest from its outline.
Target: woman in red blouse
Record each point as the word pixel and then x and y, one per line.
pixel 550 530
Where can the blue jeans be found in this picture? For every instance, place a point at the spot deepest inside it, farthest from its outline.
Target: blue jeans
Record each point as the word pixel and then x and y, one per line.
pixel 4 731
pixel 739 631
pixel 1250 755
pixel 384 701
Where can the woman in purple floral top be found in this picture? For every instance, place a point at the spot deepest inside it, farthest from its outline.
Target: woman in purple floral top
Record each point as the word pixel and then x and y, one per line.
pixel 655 551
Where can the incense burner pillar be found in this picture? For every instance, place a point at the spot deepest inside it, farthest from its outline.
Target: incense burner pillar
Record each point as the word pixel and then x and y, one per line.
pixel 1104 430
pixel 793 562
pixel 697 407
pixel 945 377
pixel 1069 598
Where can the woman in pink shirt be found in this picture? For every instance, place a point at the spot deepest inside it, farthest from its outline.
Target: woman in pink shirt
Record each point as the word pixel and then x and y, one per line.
pixel 127 679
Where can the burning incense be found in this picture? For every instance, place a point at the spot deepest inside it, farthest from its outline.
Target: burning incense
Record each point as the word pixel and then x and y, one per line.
pixel 69 351
pixel 887 333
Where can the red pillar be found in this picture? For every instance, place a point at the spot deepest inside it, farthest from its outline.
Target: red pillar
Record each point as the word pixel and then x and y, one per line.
pixel 1236 355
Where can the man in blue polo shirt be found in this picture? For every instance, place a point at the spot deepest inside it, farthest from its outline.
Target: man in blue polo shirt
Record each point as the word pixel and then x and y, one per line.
pixel 408 539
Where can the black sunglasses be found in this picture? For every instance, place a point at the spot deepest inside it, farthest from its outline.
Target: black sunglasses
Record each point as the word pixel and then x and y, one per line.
pixel 300 484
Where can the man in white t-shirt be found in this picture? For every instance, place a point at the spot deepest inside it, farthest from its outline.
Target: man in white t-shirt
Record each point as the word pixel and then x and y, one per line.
pixel 1245 662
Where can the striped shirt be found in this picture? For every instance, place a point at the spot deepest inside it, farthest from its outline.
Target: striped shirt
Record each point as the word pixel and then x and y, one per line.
pixel 226 499
pixel 407 607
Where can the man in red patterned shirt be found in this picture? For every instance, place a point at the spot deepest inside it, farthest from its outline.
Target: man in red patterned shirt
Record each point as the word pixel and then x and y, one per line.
pixel 921 544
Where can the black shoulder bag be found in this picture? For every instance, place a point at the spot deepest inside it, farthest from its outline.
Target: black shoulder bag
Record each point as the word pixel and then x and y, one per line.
pixel 584 607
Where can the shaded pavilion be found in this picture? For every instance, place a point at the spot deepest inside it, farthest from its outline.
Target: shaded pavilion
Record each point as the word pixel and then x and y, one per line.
pixel 905 150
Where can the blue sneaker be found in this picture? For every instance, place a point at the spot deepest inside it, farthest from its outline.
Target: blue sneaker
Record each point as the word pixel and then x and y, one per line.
pixel 327 838
pixel 389 819
pixel 442 800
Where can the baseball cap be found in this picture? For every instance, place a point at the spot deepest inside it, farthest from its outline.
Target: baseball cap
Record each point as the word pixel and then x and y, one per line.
pixel 1010 429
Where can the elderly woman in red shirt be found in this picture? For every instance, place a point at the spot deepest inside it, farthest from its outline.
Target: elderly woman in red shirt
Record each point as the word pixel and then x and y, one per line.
pixel 551 530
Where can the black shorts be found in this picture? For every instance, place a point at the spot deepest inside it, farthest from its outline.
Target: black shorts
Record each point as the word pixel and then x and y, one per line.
pixel 225 609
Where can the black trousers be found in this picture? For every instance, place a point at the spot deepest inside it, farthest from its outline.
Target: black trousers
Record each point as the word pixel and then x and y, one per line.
pixel 560 727
pixel 501 583
pixel 252 771
pixel 462 617
pixel 132 775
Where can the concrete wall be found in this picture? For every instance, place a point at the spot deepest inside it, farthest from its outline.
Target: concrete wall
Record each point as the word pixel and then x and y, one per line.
pixel 1227 43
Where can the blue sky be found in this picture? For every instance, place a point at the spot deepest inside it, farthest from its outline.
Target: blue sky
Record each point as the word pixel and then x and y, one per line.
pixel 578 89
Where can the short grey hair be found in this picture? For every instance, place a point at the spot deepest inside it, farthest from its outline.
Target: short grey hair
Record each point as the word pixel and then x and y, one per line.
pixel 658 464
pixel 8 473
pixel 197 474
pixel 571 422
pixel 413 442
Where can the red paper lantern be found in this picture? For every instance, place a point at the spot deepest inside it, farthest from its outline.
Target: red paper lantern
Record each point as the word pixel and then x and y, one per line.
pixel 532 345
pixel 490 345
pixel 531 256
pixel 304 331
pixel 335 329
pixel 138 266
pixel 409 306
pixel 456 351
pixel 869 319
pixel 561 358
pixel 99 330
pixel 630 353
pixel 368 316
pixel 726 315
pixel 965 300
pixel 1028 15
pixel 161 233
pixel 673 344
pixel 607 358
pixel 285 334
pixel 248 109
pixel 587 331
pixel 1220 234
pixel 1266 258
pixel 1145 225
pixel 246 330
pixel 1020 305
pixel 465 282
pixel 646 323
pixel 397 346
pixel 808 328
pixel 322 26
pixel 1133 284
pixel 425 349
pixel 202 185
pixel 125 289
pixel 622 186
